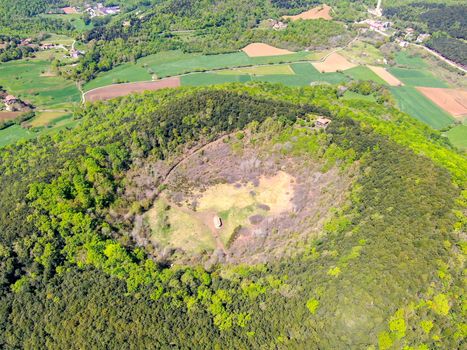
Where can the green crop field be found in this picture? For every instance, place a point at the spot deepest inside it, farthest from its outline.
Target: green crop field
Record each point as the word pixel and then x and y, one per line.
pixel 403 58
pixel 128 72
pixel 458 136
pixel 364 73
pixel 418 106
pixel 197 79
pixel 171 63
pixel 413 77
pixel 25 80
pixel 261 70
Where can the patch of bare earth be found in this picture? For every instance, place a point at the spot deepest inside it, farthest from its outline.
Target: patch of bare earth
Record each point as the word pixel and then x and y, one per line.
pixel 386 76
pixel 333 63
pixel 4 116
pixel 118 90
pixel 261 50
pixel 271 203
pixel 453 101
pixel 318 12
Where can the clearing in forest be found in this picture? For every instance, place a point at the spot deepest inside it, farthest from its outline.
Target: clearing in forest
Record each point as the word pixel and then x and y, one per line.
pixel 262 50
pixel 322 11
pixel 386 76
pixel 453 101
pixel 117 90
pixel 333 63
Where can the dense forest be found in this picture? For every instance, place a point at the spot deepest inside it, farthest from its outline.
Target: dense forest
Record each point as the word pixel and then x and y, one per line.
pixel 385 272
pixel 446 22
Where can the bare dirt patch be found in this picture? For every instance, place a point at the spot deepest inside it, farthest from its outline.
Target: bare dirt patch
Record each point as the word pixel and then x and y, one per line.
pixel 262 50
pixel 453 101
pixel 318 12
pixel 4 116
pixel 386 76
pixel 70 10
pixel 117 90
pixel 333 63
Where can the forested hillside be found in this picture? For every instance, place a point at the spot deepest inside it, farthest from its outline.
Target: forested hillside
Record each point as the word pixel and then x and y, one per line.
pixel 385 272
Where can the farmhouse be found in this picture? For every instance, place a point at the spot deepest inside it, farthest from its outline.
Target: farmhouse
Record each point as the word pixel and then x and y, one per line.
pixel 322 122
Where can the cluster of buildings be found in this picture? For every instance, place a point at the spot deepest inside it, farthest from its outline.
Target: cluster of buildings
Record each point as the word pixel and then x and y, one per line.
pixel 410 36
pixel 96 10
pixel 376 25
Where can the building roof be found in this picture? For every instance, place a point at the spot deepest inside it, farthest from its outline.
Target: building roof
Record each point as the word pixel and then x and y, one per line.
pixel 322 120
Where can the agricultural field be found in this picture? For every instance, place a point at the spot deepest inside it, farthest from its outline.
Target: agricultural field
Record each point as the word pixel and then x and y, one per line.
pixel 13 134
pixel 364 73
pixel 56 39
pixel 261 70
pixel 417 77
pixel 414 103
pixel 458 136
pixel 43 119
pixel 27 79
pixel 410 60
pixel 173 63
pixel 333 63
pixel 298 74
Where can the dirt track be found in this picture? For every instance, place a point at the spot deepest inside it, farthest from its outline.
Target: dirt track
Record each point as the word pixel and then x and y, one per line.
pixel 117 90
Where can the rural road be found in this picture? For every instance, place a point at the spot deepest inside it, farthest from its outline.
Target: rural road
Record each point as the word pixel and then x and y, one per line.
pixel 434 53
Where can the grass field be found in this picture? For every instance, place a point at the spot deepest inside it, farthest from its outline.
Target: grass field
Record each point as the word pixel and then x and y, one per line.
pixel 458 136
pixel 261 70
pixel 48 118
pixel 364 73
pixel 198 79
pixel 414 77
pixel 74 19
pixel 403 58
pixel 418 106
pixel 13 134
pixel 301 74
pixel 58 40
pixel 173 63
pixel 25 80
pixel 363 53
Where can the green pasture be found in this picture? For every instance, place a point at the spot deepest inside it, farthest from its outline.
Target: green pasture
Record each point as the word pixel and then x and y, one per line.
pixel 418 106
pixel 417 77
pixel 75 20
pixel 13 134
pixel 364 73
pixel 171 63
pixel 24 79
pixel 261 70
pixel 403 58
pixel 58 40
pixel 303 74
pixel 197 79
pixel 128 72
pixel 458 136
pixel 363 53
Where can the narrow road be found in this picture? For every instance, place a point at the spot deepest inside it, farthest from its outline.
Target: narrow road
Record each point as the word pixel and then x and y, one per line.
pixel 434 53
